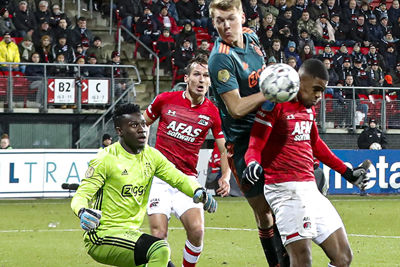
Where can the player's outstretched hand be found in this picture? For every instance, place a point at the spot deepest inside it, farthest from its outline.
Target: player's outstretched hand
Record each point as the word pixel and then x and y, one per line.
pixel 224 187
pixel 90 218
pixel 201 195
pixel 253 173
pixel 358 176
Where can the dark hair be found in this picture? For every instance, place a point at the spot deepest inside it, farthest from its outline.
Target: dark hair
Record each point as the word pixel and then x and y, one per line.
pixel 315 68
pixel 122 110
pixel 106 137
pixel 201 59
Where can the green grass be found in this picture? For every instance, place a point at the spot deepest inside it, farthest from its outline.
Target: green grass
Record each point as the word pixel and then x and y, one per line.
pixel 373 225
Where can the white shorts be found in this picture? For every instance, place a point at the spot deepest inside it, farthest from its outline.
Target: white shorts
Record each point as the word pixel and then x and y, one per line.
pixel 302 212
pixel 164 199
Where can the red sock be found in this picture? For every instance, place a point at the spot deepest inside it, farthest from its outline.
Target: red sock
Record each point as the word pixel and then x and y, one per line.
pixel 191 254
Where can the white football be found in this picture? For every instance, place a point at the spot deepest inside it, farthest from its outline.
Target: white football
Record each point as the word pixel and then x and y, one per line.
pixel 375 146
pixel 279 82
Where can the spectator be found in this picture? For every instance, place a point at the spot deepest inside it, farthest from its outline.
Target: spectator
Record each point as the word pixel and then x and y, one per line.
pixel 120 74
pixel 266 8
pixel 320 179
pixel 63 48
pixel 202 15
pixel 309 25
pixel 340 55
pixel 149 30
pixel 44 13
pixel 394 12
pixel 342 103
pixel 360 32
pixel 372 137
pixel 357 55
pixel 269 20
pixel 151 5
pixel 384 21
pixel 333 76
pixel 276 52
pixel 325 30
pixel 351 12
pixel 187 33
pixel 306 53
pixel 186 13
pixel 285 35
pixel 171 8
pixel 24 20
pixel 298 9
pixel 94 72
pixel 26 49
pixel 395 73
pixel 61 69
pixel 388 39
pixel 361 78
pixel 375 30
pixel 80 71
pixel 14 5
pixel 327 53
pixel 98 50
pixel 376 74
pixel 80 32
pixel 35 74
pixel 366 10
pixel 342 30
pixel 58 15
pixel 130 13
pixel 381 10
pixel 304 39
pixel 183 55
pixel 390 56
pixel 281 5
pixel 318 8
pixel 44 29
pixel 266 36
pixel 333 8
pixel 5 141
pixel 106 141
pixel 45 50
pixel 374 55
pixel 62 29
pixel 290 51
pixel 9 52
pixel 286 19
pixel 396 28
pixel 79 51
pixel 345 70
pixel 292 62
pixel 6 23
pixel 167 22
pixel 204 48
pixel 165 47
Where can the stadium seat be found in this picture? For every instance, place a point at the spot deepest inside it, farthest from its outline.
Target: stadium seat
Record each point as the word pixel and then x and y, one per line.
pixel 20 85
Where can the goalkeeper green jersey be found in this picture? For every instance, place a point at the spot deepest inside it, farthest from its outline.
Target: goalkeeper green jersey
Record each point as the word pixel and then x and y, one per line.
pixel 118 183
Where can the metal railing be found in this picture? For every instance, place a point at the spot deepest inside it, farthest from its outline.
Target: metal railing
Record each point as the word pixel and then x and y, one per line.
pixel 7 85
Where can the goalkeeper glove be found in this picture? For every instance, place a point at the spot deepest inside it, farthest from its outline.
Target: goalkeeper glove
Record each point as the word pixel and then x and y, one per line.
pixel 200 195
pixel 357 176
pixel 253 173
pixel 90 218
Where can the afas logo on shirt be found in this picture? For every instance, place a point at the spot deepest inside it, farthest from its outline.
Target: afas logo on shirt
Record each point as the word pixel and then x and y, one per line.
pixel 183 131
pixel 302 130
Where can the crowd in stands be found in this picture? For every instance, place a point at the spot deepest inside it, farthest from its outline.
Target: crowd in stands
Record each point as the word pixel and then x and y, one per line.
pixel 354 38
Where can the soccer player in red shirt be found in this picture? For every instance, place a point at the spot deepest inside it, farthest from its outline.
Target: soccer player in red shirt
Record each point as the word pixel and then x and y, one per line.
pixel 282 144
pixel 185 118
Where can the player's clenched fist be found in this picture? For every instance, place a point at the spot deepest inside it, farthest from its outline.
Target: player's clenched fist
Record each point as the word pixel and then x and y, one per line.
pixel 201 195
pixel 253 173
pixel 90 218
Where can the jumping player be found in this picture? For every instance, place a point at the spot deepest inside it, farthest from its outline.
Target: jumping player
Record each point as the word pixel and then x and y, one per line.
pixel 185 118
pixel 235 64
pixel 283 141
pixel 112 198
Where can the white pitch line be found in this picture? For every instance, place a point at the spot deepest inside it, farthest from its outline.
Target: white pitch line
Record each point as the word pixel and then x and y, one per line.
pixel 177 228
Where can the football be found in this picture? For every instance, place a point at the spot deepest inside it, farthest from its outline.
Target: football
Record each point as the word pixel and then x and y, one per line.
pixel 279 82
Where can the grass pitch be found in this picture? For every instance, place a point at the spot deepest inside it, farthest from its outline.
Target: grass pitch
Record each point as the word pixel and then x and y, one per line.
pixel 44 232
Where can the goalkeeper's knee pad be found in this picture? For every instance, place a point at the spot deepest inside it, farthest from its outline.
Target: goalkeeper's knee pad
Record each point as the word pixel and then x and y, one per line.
pixel 149 248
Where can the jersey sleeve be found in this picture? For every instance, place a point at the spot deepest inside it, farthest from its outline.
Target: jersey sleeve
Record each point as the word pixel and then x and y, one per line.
pixel 154 109
pixel 263 124
pixel 167 172
pixel 94 179
pixel 323 153
pixel 216 127
pixel 222 73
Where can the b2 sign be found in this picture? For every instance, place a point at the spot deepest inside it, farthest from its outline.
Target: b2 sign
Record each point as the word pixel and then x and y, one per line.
pixel 61 91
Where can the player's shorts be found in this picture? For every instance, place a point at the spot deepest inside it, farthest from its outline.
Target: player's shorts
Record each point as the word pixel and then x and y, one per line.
pixel 164 199
pixel 302 212
pixel 121 247
pixel 237 165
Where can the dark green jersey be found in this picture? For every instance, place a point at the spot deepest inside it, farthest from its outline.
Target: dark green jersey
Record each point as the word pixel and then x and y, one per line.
pixel 236 68
pixel 118 183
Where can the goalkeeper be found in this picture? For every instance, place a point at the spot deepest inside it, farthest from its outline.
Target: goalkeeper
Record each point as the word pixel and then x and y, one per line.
pixel 280 153
pixel 112 198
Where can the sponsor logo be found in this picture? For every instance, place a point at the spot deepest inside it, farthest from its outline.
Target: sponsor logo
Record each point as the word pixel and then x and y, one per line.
pixel 306 223
pixel 201 116
pixel 125 172
pixel 182 131
pixel 203 122
pixel 302 130
pixel 89 172
pixel 171 113
pixel 254 76
pixel 154 202
pixel 290 117
pixel 223 75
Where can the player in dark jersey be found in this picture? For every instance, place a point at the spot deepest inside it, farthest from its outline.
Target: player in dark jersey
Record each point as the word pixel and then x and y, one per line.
pixel 185 119
pixel 281 153
pixel 235 64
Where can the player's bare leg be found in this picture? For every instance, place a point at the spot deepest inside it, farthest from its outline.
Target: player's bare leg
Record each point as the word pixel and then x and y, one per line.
pixel 265 224
pixel 300 253
pixel 193 222
pixel 337 248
